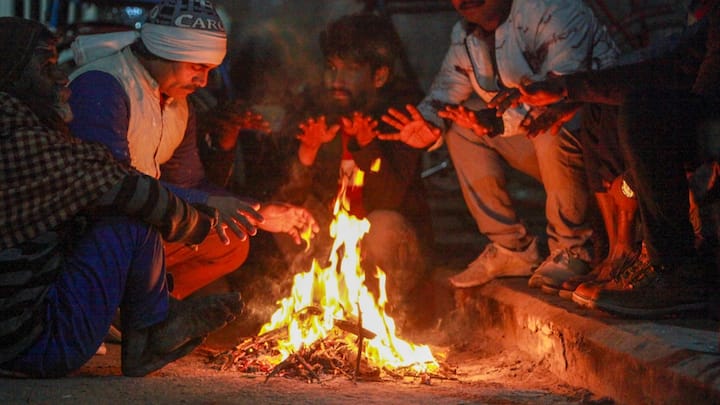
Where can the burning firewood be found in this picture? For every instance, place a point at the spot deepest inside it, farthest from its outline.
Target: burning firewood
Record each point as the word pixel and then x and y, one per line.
pixel 334 356
pixel 332 324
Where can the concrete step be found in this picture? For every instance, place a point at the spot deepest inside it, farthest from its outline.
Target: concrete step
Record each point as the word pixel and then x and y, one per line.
pixel 631 361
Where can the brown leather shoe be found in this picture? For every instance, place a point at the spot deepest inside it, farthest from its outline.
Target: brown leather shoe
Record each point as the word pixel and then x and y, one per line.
pixel 587 293
pixel 606 271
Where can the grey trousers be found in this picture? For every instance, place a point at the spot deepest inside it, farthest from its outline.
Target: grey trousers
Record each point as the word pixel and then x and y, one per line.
pixel 554 160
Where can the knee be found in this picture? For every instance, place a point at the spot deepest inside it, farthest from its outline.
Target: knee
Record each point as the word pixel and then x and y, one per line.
pixel 386 226
pixel 232 255
pixel 392 244
pixel 118 230
pixel 386 216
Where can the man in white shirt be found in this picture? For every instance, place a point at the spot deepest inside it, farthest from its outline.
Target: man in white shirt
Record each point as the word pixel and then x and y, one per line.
pixel 501 44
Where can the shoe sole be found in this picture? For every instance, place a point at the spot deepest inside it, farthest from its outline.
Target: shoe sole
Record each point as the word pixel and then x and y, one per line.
pixel 639 313
pixel 160 361
pixel 645 313
pixel 565 294
pixel 471 285
pixel 583 301
pixel 536 281
pixel 468 285
pixel 559 291
pixel 550 290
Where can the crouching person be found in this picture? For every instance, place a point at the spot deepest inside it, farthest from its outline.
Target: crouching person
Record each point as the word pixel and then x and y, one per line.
pixel 80 235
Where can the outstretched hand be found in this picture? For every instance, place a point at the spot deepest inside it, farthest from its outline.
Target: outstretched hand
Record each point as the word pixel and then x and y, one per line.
pixel 315 132
pixel 465 118
pixel 252 120
pixel 413 129
pixel 227 120
pixel 238 215
pixel 543 93
pixel 360 126
pixel 505 99
pixel 292 220
pixel 536 94
pixel 548 119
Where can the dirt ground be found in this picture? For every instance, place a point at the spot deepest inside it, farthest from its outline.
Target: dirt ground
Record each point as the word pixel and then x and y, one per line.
pixel 484 376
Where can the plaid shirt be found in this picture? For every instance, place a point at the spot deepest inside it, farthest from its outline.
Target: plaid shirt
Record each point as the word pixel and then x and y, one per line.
pixel 46 176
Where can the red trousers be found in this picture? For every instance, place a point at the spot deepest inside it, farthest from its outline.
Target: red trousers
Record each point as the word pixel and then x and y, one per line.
pixel 195 267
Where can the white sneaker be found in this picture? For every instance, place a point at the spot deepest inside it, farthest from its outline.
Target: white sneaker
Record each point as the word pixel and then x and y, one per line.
pixel 496 261
pixel 560 266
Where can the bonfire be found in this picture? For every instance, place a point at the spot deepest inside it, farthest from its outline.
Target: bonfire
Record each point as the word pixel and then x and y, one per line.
pixel 331 323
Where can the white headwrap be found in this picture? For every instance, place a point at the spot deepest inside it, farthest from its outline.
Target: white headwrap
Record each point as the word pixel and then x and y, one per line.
pixel 185 31
pixel 184 44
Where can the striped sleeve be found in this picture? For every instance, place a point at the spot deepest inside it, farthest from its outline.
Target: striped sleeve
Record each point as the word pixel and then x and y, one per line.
pixel 26 271
pixel 143 197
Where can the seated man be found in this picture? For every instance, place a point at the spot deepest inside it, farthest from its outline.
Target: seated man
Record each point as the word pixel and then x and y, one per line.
pixel 134 100
pixel 338 145
pixel 67 264
pixel 660 137
pixel 498 45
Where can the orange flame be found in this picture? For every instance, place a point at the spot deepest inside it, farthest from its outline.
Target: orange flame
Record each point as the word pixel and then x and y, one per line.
pixel 339 292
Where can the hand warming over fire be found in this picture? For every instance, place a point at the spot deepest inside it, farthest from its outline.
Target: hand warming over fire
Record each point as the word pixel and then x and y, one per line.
pixel 290 219
pixel 414 130
pixel 535 94
pixel 361 126
pixel 236 214
pixel 465 118
pixel 542 93
pixel 226 121
pixel 505 99
pixel 548 119
pixel 314 133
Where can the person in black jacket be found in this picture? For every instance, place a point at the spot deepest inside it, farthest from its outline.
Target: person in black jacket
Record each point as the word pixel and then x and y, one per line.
pixel 80 235
pixel 337 146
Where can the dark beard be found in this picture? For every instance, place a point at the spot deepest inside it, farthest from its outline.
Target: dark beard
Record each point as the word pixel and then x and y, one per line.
pixel 357 103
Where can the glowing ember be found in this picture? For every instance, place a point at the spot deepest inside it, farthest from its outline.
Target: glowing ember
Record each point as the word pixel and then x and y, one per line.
pixel 323 296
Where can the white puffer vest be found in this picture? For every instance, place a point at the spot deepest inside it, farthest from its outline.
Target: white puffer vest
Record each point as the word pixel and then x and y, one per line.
pixel 154 130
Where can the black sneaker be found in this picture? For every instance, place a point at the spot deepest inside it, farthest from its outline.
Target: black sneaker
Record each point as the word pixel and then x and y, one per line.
pixel 656 292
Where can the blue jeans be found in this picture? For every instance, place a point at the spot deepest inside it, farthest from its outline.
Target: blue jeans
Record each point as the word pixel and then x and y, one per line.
pixel 117 262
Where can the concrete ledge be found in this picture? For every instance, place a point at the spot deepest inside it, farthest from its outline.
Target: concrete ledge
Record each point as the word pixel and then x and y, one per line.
pixel 630 361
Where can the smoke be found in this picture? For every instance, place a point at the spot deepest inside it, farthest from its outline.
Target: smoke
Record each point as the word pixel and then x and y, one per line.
pixel 274 47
